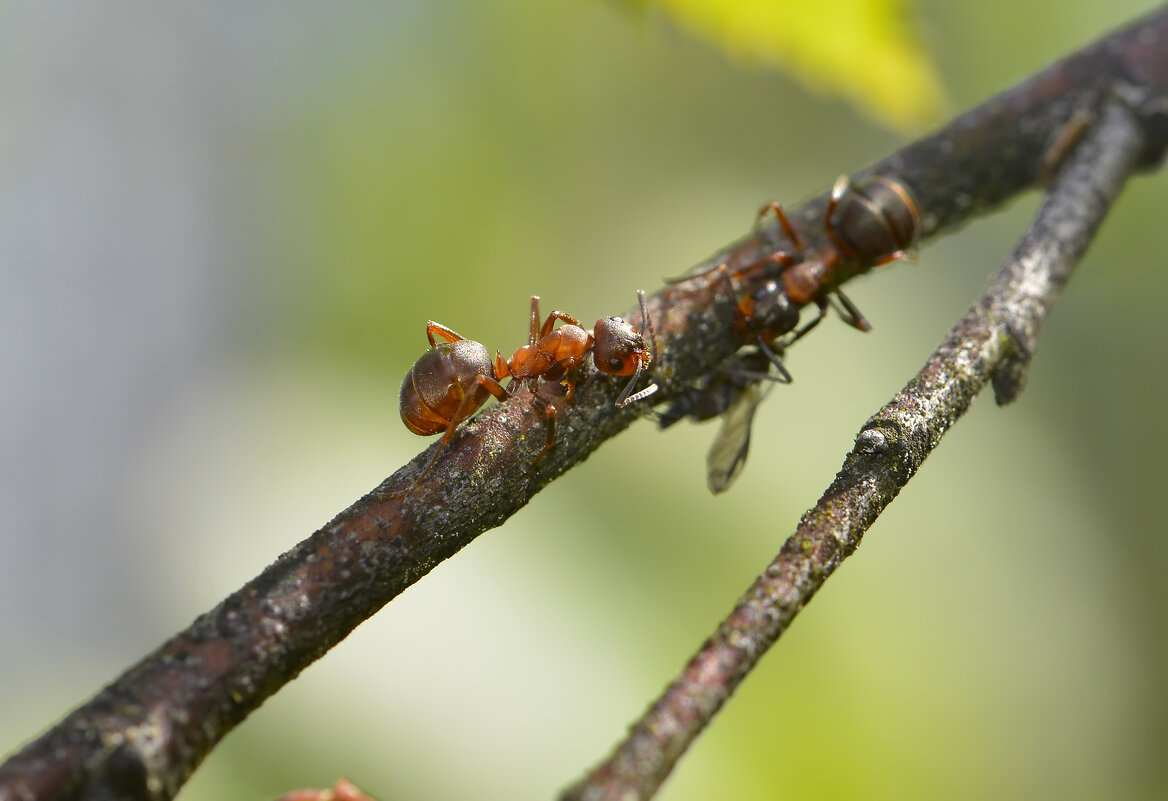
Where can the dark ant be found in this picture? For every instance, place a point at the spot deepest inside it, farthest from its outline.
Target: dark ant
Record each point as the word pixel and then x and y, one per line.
pixel 875 221
pixel 451 380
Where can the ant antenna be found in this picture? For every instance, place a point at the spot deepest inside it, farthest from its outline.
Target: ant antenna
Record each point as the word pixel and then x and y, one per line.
pixel 625 398
pixel 636 396
pixel 646 320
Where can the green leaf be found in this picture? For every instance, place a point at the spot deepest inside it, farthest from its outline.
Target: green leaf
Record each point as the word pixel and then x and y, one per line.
pixel 863 50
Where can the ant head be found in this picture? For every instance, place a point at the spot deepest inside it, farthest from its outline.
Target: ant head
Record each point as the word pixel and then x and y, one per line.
pixel 620 348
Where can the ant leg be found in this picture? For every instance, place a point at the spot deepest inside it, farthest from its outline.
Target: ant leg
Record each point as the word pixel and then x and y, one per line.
pixel 448 334
pixel 740 374
pixel 783 377
pixel 784 223
pixel 850 314
pixel 781 257
pixel 549 410
pixel 551 320
pixel 801 332
pixel 545 396
pixel 502 369
pixel 537 333
pixel 465 409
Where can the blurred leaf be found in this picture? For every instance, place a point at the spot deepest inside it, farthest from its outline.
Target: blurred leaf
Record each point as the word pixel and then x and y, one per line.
pixel 860 49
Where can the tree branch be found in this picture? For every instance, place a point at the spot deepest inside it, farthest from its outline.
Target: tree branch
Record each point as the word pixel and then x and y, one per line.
pixel 142 736
pixel 994 342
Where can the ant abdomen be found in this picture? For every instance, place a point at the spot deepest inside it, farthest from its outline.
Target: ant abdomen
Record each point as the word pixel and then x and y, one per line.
pixel 877 218
pixel 439 382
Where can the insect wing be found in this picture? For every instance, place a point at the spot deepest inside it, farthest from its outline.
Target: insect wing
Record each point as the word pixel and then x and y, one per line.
pixel 728 453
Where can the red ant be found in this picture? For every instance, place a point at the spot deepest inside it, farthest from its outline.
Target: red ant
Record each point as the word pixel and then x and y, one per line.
pixel 451 380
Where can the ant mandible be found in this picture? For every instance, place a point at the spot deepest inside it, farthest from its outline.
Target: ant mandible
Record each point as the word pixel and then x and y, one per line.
pixel 451 380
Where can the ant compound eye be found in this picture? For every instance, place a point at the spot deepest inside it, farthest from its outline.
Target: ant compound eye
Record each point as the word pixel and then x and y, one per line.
pixel 615 363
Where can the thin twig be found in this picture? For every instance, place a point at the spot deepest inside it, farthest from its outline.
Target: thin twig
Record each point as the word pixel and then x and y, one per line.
pixel 993 342
pixel 146 733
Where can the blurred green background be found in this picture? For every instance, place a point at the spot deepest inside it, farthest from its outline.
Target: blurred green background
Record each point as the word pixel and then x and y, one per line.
pixel 222 229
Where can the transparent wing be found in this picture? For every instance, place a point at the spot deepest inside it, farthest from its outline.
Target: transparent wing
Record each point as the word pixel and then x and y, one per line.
pixel 728 453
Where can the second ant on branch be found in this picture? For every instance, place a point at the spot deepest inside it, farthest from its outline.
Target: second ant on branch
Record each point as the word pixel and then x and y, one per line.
pixel 869 223
pixel 873 222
